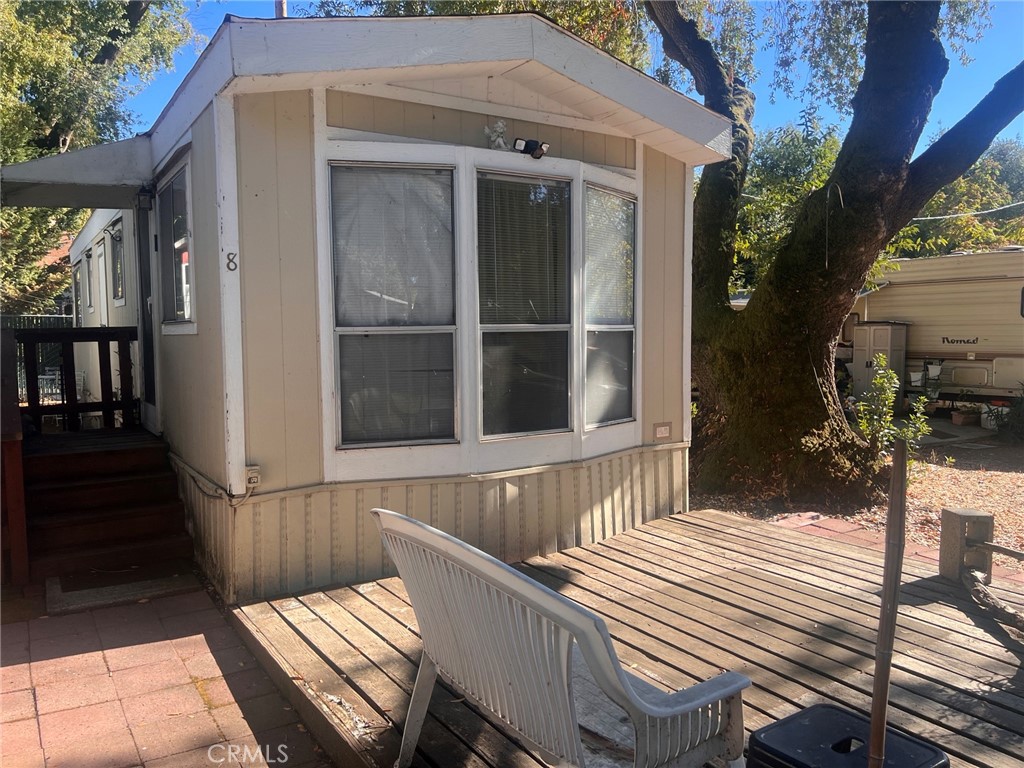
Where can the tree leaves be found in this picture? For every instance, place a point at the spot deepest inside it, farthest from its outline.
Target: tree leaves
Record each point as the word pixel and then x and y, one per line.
pixel 68 69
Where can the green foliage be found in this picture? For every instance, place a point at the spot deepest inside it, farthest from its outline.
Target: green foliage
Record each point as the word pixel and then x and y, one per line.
pixel 827 37
pixel 786 166
pixel 1009 422
pixel 996 180
pixel 874 412
pixel 68 68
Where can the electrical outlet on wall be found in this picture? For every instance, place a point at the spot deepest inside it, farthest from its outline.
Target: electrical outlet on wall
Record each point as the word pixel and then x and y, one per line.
pixel 252 476
pixel 663 431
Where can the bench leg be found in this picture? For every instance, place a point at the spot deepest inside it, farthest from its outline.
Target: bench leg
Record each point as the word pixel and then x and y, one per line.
pixel 421 691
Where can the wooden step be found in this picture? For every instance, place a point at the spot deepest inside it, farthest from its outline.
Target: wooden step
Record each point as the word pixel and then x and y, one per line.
pixel 115 555
pixel 147 457
pixel 91 527
pixel 99 492
pixel 71 455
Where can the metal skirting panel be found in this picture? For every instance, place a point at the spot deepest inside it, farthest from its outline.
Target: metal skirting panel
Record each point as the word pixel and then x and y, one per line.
pixel 297 540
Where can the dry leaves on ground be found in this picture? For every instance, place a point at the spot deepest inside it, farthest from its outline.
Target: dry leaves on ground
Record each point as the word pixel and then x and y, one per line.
pixel 985 475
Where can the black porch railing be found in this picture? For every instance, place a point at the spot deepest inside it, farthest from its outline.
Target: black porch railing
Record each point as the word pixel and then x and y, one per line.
pixel 71 400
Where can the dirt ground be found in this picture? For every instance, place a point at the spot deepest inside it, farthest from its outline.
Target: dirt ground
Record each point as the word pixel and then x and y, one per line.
pixel 985 474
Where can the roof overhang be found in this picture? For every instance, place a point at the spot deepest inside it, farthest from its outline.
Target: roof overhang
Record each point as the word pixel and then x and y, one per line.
pixel 519 66
pixel 103 176
pixel 516 65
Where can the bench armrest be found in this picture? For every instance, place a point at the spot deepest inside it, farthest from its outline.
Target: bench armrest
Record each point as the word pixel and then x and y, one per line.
pixel 657 703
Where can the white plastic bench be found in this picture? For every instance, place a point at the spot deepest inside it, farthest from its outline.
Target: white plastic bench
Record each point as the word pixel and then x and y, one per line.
pixel 506 643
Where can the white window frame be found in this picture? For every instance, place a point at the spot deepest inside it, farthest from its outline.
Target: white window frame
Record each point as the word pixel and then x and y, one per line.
pixel 188 327
pixel 602 327
pixel 404 330
pixel 472 452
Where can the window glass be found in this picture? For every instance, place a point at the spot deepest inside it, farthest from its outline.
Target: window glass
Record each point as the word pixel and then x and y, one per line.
pixel 176 267
pixel 609 376
pixel 609 267
pixel 117 262
pixel 393 246
pixel 397 387
pixel 394 265
pixel 610 227
pixel 524 280
pixel 525 382
pixel 523 250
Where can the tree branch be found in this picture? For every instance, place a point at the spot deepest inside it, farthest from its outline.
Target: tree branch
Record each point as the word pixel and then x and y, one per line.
pixel 683 42
pixel 961 146
pixel 904 66
pixel 134 11
pixel 60 135
pixel 716 206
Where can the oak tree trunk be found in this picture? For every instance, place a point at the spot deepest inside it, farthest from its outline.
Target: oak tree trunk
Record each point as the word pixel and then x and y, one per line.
pixel 769 415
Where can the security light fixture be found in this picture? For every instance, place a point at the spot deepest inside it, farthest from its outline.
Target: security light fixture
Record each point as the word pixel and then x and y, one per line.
pixel 532 147
pixel 144 199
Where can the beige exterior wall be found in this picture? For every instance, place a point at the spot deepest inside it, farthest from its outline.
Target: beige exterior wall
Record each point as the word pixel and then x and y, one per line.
pixel 277 226
pixel 418 121
pixel 661 295
pixel 297 532
pixel 190 366
pixel 288 542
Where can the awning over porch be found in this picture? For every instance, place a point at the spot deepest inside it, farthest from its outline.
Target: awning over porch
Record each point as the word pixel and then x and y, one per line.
pixel 103 176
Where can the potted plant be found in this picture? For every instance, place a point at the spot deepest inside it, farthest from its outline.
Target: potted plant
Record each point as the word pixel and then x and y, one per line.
pixel 966 413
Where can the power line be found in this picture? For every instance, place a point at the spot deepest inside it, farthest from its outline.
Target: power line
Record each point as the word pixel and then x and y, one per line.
pixel 975 213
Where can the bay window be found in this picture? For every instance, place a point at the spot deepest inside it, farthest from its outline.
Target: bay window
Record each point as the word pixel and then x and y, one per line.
pixel 478 310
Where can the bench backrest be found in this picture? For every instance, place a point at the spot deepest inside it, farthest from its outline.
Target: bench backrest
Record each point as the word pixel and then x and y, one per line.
pixel 500 637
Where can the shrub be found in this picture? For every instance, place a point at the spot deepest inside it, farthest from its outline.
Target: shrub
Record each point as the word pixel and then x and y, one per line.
pixel 1010 421
pixel 874 413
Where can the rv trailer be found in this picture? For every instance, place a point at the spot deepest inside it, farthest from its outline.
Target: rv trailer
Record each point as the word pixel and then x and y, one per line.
pixel 959 316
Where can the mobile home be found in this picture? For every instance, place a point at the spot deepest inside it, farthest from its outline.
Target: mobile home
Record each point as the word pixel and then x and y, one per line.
pixel 371 266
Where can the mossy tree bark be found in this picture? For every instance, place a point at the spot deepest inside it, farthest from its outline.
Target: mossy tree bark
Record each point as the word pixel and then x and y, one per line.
pixel 770 417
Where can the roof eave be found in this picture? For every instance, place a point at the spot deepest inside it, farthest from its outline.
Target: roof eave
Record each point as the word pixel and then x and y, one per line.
pixel 105 175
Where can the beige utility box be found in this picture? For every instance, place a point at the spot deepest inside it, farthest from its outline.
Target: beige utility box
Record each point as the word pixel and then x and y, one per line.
pixel 868 340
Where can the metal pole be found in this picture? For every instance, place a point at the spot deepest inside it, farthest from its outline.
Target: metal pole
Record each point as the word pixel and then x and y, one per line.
pixel 895 527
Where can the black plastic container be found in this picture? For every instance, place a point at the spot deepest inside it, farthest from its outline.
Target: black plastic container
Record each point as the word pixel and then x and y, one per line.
pixel 826 736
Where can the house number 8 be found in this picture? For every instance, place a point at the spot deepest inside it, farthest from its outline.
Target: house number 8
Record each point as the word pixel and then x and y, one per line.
pixel 232 262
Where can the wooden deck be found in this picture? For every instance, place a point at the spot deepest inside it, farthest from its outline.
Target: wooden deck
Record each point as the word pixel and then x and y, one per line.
pixel 683 597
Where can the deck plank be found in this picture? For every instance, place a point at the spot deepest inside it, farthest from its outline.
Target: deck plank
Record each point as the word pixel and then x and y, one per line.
pixel 801 611
pixel 685 597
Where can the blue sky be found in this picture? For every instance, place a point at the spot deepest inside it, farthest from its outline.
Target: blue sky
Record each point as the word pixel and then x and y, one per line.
pixel 1001 48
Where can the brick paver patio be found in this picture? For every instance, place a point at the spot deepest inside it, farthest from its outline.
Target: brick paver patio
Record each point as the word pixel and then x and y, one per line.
pixel 161 684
